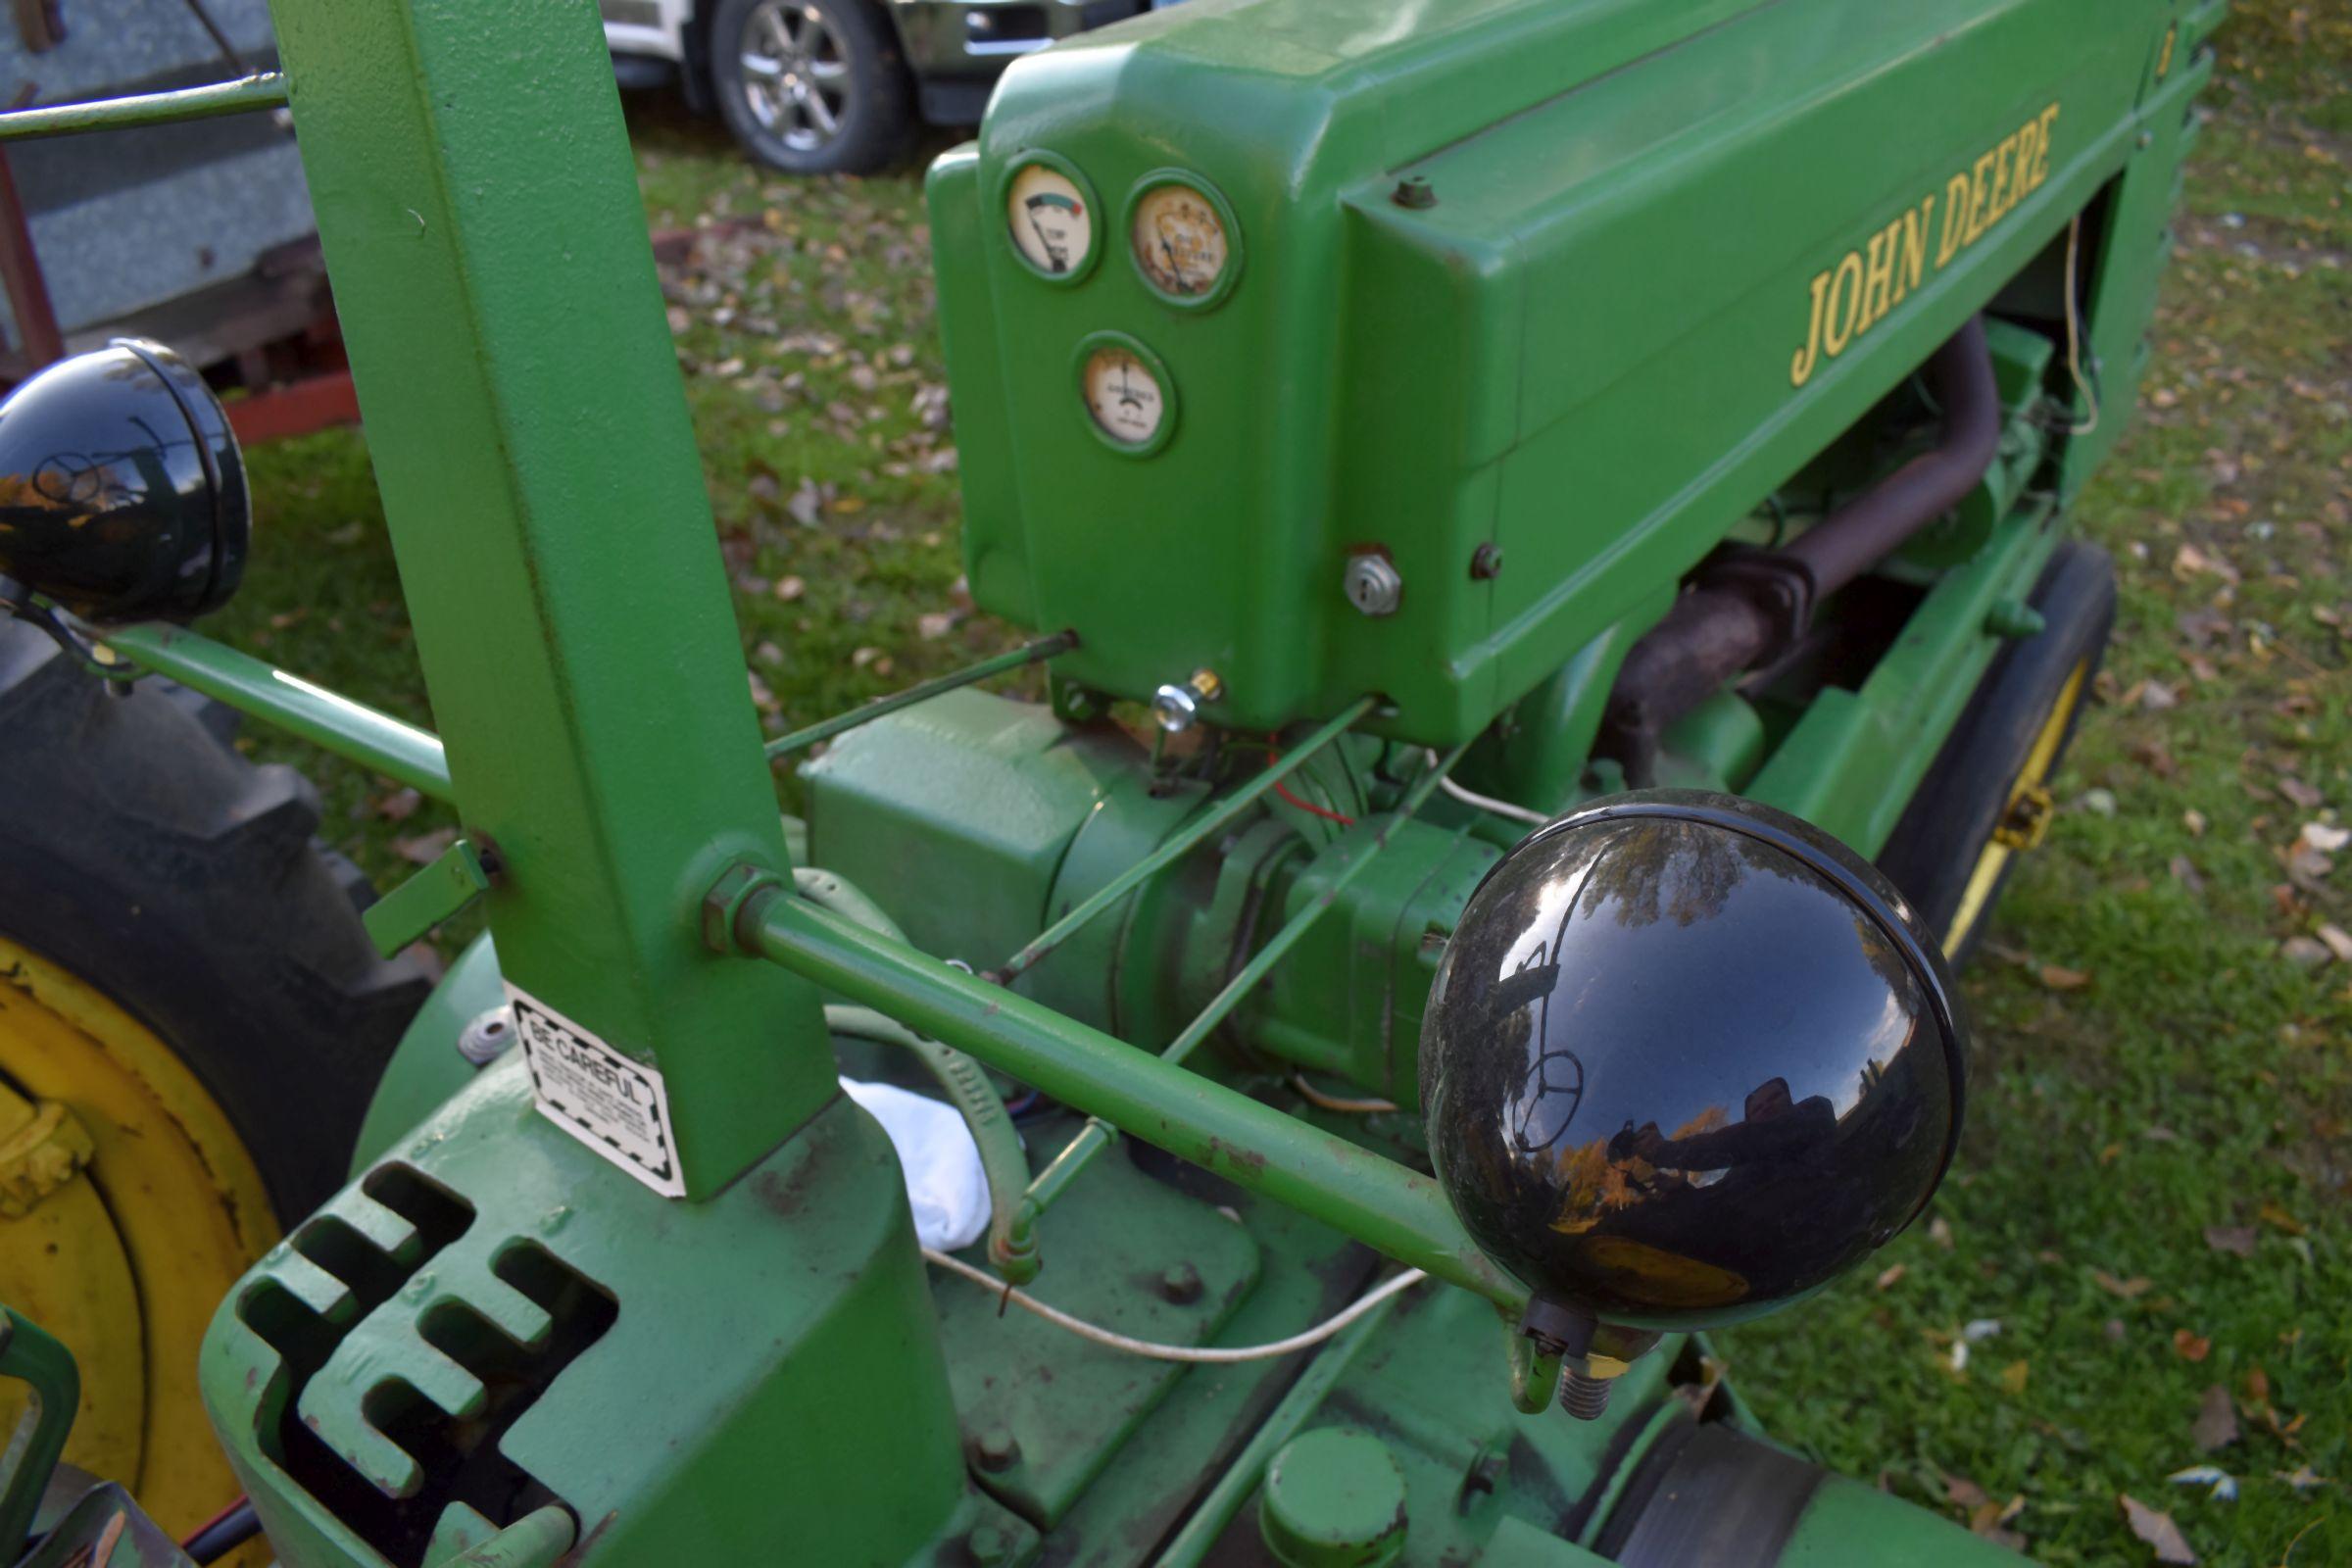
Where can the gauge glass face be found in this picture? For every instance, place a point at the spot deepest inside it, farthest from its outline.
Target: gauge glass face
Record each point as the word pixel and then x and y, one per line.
pixel 1050 221
pixel 1124 397
pixel 1180 241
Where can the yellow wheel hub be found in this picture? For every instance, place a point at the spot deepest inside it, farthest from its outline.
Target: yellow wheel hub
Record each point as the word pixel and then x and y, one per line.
pixel 2026 818
pixel 127 1209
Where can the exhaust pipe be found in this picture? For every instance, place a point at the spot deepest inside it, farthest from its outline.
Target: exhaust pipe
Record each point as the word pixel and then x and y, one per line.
pixel 1755 606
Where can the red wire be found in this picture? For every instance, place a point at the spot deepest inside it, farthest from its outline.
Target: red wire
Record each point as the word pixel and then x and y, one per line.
pixel 234 1505
pixel 1309 806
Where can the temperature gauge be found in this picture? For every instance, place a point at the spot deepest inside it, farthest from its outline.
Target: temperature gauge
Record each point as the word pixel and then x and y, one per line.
pixel 1126 392
pixel 1049 215
pixel 1181 235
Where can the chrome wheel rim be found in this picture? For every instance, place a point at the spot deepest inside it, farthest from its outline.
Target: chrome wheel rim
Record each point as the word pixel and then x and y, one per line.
pixel 796 75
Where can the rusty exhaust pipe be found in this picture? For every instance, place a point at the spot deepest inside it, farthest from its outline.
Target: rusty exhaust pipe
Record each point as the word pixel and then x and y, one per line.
pixel 1755 605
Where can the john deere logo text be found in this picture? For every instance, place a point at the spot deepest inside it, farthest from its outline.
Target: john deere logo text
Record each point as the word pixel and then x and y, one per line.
pixel 1856 294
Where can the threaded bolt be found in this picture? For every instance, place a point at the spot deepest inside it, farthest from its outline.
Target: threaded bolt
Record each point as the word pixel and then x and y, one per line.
pixel 1584 1396
pixel 997 1450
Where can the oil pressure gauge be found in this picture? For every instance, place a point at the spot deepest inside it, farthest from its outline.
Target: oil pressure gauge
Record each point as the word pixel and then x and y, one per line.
pixel 1183 240
pixel 1050 217
pixel 1126 392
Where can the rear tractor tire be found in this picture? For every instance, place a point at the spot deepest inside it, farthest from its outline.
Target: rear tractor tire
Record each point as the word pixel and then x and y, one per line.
pixel 186 975
pixel 1985 798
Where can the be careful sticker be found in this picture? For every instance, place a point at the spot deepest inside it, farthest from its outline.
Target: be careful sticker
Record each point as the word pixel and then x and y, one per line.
pixel 610 1101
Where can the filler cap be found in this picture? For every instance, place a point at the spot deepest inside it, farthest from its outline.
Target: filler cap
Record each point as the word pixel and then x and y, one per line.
pixel 1687 1058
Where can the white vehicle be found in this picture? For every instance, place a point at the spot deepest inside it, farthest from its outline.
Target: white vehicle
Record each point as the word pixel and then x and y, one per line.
pixel 835 87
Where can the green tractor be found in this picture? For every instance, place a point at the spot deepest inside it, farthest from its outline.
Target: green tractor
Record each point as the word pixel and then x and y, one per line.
pixel 1545 528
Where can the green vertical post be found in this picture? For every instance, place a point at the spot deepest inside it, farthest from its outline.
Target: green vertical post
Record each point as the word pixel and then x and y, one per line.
pixel 480 211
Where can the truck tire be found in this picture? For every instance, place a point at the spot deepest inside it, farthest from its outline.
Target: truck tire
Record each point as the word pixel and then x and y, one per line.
pixel 811 86
pixel 140 853
pixel 1957 842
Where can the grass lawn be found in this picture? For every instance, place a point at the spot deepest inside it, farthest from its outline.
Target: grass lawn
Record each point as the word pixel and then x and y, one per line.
pixel 2139 1263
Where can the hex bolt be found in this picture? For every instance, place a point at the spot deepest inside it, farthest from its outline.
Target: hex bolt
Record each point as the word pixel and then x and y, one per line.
pixel 988 1545
pixel 1414 191
pixel 1373 584
pixel 484 1039
pixel 1176 706
pixel 997 1450
pixel 1180 1283
pixel 1485 562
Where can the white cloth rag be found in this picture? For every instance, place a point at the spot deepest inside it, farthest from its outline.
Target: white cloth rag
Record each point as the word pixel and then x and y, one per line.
pixel 945 1184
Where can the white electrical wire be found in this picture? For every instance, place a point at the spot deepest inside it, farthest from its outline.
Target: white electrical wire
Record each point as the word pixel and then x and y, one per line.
pixel 1215 1356
pixel 2074 334
pixel 1487 803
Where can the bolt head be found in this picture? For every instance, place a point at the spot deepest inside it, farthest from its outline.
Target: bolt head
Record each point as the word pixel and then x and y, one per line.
pixel 1176 707
pixel 997 1450
pixel 1180 1284
pixel 988 1545
pixel 486 1038
pixel 1485 562
pixel 1414 191
pixel 1373 584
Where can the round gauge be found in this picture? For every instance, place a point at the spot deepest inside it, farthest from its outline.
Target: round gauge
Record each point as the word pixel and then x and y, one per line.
pixel 1183 239
pixel 1126 393
pixel 1050 218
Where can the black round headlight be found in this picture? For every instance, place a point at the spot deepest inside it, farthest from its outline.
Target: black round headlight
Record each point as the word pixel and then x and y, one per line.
pixel 122 490
pixel 1686 1059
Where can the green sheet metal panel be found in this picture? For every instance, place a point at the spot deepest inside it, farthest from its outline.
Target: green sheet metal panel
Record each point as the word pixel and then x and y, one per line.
pixel 1585 352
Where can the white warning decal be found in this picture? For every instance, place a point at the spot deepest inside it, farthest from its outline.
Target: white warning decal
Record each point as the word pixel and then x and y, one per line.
pixel 611 1102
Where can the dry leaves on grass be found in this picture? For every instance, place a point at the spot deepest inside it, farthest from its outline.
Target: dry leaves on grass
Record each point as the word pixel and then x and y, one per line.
pixel 2059 978
pixel 2216 1425
pixel 2235 1240
pixel 426 848
pixel 2191 1347
pixel 2156 1528
pixel 2130 1290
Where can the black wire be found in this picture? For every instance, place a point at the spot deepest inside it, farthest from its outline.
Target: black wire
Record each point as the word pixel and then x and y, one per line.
pixel 225 1534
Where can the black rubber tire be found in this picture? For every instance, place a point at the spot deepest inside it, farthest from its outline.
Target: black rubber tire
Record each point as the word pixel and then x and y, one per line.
pixel 1934 847
pixel 877 117
pixel 140 853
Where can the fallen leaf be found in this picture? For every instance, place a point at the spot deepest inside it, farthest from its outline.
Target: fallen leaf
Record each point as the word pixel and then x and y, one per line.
pixel 2302 1478
pixel 2279 1218
pixel 2013 1377
pixel 2191 1347
pixel 399 806
pixel 1964 1492
pixel 1980 1329
pixel 2130 1290
pixel 2304 953
pixel 426 848
pixel 2058 978
pixel 2302 794
pixel 1940 1230
pixel 2216 1425
pixel 2157 1529
pixel 932 627
pixel 790 588
pixel 2193 820
pixel 2236 1239
pixel 2224 1485
pixel 2325 837
pixel 1889 1277
pixel 2338 941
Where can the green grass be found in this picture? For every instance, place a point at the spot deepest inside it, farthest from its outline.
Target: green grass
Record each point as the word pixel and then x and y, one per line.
pixel 2200 1076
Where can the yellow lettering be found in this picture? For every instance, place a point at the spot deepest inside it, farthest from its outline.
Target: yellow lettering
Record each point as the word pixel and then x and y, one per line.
pixel 1801 369
pixel 2002 198
pixel 1955 220
pixel 1878 277
pixel 1916 224
pixel 1845 298
pixel 2042 146
pixel 1977 215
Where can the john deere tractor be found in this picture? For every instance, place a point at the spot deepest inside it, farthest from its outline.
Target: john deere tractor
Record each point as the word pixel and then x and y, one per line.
pixel 1545 526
